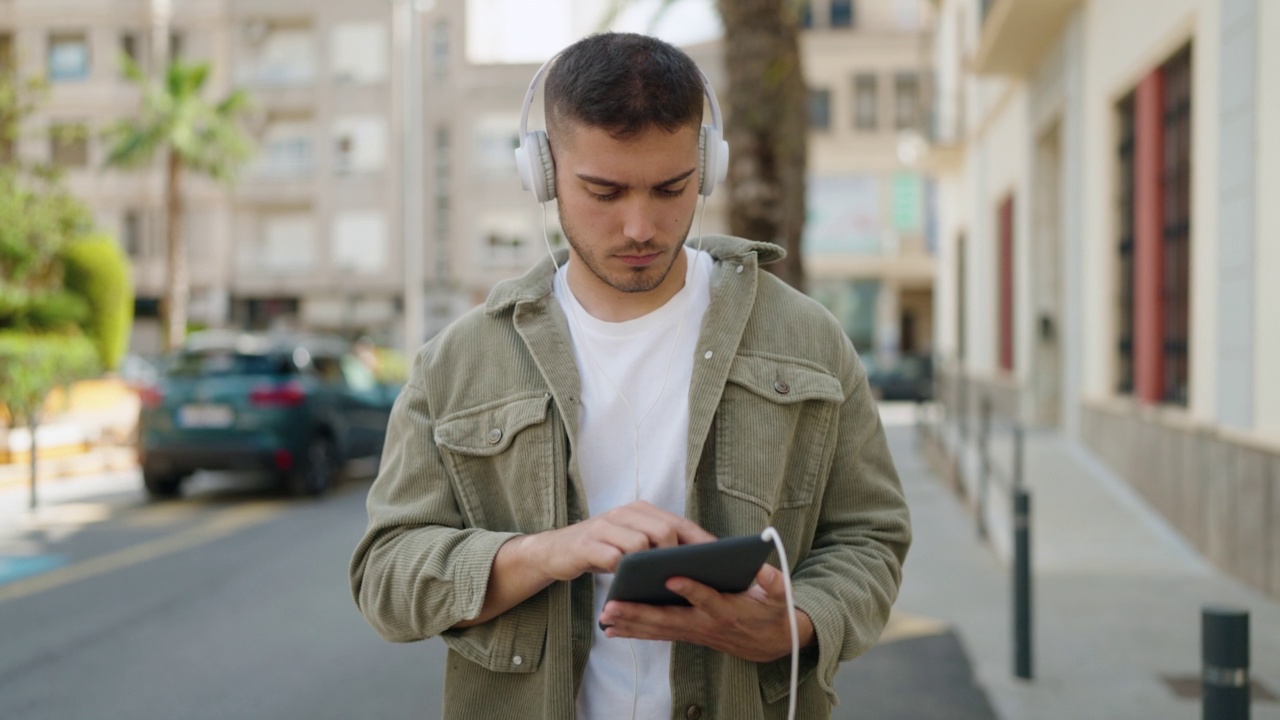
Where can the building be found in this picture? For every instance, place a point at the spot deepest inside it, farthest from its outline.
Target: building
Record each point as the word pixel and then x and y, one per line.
pixel 306 236
pixel 868 239
pixel 1106 244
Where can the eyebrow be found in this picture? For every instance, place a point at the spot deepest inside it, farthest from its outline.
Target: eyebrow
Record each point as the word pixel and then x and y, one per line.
pixel 623 186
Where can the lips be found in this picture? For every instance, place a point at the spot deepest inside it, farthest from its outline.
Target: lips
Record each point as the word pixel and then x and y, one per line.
pixel 639 260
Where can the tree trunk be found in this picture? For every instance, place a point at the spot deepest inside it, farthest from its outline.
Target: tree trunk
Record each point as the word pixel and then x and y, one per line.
pixel 766 126
pixel 176 283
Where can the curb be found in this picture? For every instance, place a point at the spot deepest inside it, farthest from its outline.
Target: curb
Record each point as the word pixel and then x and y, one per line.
pixel 94 461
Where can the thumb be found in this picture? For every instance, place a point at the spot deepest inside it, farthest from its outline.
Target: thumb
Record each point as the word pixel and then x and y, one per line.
pixel 770 579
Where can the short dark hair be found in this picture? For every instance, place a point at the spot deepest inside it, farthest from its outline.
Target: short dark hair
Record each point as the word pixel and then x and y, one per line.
pixel 624 83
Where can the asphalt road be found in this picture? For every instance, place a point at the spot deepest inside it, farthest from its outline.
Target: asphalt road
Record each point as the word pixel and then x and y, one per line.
pixel 233 603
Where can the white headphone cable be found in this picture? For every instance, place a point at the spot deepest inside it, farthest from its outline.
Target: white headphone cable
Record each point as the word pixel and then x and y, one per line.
pixel 771 534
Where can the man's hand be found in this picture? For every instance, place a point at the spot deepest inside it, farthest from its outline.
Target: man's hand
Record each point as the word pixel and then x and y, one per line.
pixel 598 543
pixel 528 563
pixel 751 625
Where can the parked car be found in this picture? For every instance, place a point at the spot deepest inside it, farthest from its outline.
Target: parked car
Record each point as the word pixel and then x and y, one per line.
pixel 295 406
pixel 910 378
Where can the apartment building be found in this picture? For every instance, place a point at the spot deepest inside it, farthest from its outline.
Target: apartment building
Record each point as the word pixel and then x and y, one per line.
pixel 1107 248
pixel 868 240
pixel 307 235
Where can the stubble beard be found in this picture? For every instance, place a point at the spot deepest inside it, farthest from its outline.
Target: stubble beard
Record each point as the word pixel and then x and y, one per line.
pixel 629 281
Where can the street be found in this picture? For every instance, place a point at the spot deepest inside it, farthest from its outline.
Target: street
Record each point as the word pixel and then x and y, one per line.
pixel 233 603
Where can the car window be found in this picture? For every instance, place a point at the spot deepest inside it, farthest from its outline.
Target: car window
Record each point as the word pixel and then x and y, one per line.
pixel 359 376
pixel 328 368
pixel 224 362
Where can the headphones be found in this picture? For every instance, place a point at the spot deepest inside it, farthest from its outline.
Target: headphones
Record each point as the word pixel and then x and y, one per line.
pixel 538 170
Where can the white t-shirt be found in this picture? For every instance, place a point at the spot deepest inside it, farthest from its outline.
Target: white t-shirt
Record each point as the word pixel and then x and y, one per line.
pixel 632 358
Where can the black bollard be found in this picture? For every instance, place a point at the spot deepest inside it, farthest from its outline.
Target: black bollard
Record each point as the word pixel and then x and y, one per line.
pixel 1224 650
pixel 1022 584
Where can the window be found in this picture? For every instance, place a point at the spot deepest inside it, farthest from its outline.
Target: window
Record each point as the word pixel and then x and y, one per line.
pixel 288 244
pixel 68 57
pixel 442 180
pixel 906 101
pixel 841 13
pixel 440 48
pixel 820 109
pixel 1176 227
pixel 1005 278
pixel 286 147
pixel 359 242
pixel 360 144
pixel 806 15
pixel 1124 264
pixel 358 53
pixel 129 46
pixel 69 145
pixel 177 45
pixel 866 110
pixel 131 233
pixel 277 54
pixel 6 53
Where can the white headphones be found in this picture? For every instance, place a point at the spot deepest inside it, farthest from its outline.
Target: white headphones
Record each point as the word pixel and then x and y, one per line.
pixel 538 170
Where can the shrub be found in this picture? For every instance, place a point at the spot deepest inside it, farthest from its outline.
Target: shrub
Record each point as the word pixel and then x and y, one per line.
pixel 32 365
pixel 95 269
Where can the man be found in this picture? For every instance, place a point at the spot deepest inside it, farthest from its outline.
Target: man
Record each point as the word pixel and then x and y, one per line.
pixel 646 393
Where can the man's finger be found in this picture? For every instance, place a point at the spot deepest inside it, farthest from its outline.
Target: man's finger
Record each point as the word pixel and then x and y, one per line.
pixel 698 595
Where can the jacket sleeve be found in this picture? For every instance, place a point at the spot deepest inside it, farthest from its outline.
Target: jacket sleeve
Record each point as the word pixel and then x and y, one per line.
pixel 850 578
pixel 418 570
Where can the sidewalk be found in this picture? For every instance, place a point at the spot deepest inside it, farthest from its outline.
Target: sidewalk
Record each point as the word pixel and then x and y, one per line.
pixel 1117 594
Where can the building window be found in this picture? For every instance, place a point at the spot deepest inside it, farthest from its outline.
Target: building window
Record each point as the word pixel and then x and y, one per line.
pixel 278 53
pixel 131 233
pixel 358 53
pixel 1005 279
pixel 820 109
pixel 69 145
pixel 841 13
pixel 442 179
pixel 68 57
pixel 360 144
pixel 177 45
pixel 806 15
pixel 440 48
pixel 1176 230
pixel 130 47
pixel 906 101
pixel 866 105
pixel 1124 264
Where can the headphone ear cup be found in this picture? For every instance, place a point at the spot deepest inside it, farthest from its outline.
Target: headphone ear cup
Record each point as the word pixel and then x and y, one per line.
pixel 536 168
pixel 544 168
pixel 713 159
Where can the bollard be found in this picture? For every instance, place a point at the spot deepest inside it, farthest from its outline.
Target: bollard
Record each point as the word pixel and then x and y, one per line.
pixel 1224 651
pixel 1018 456
pixel 984 465
pixel 1022 583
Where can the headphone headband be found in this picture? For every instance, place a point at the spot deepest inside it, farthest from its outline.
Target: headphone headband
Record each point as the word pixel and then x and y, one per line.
pixel 536 166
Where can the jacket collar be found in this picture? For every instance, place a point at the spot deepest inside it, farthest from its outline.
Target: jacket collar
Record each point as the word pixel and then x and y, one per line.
pixel 536 283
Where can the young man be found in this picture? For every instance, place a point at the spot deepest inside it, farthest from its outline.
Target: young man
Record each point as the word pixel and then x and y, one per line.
pixel 645 393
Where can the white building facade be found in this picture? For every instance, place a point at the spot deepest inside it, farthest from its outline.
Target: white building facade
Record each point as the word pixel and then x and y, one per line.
pixel 1108 250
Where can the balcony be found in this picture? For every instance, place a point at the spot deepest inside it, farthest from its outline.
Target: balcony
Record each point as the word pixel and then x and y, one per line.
pixel 1016 33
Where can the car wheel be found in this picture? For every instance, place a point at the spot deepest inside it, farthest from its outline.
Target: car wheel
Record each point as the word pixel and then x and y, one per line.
pixel 315 474
pixel 161 486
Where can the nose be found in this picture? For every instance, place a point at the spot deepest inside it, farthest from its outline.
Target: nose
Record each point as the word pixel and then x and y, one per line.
pixel 639 220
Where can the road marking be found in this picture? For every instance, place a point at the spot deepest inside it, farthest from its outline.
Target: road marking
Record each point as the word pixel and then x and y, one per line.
pixel 905 626
pixel 220 526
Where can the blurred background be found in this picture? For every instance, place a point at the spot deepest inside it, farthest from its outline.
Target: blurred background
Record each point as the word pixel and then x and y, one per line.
pixel 226 226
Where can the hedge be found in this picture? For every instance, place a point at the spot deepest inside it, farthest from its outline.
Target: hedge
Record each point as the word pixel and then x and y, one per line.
pixel 95 268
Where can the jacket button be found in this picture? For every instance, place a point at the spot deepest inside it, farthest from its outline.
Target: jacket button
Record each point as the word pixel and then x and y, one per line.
pixel 693 712
pixel 495 436
pixel 781 388
pixel 517 661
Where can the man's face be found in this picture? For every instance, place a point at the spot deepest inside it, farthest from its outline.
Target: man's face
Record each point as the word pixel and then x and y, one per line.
pixel 626 207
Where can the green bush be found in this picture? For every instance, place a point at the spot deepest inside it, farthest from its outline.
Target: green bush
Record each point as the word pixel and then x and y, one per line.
pixel 96 269
pixel 32 365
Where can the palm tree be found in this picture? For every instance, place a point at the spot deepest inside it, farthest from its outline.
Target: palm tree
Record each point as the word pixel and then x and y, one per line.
pixel 188 133
pixel 766 122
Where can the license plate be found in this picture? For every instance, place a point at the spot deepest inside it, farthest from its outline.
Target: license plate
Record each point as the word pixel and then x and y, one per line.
pixel 205 416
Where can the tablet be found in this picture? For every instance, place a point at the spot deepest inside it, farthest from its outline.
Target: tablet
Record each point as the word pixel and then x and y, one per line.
pixel 728 565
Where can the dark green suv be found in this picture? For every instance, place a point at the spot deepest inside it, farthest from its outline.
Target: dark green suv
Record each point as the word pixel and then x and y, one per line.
pixel 296 406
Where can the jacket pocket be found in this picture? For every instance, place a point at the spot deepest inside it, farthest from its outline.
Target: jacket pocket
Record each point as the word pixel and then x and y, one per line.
pixel 513 642
pixel 501 461
pixel 772 431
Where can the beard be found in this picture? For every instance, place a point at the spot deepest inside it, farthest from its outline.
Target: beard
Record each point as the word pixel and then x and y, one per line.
pixel 627 280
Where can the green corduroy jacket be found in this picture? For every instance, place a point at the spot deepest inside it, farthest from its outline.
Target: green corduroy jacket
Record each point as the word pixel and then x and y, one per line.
pixel 783 431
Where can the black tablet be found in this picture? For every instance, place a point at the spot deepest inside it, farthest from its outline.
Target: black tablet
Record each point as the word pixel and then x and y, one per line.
pixel 728 565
